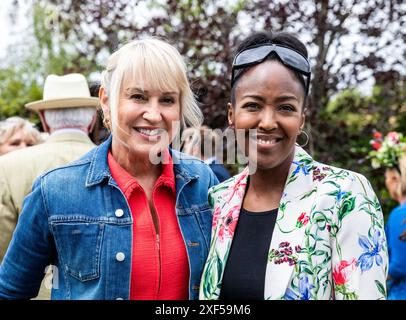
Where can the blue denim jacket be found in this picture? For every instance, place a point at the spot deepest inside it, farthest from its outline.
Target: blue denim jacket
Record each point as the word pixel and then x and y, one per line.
pixel 72 219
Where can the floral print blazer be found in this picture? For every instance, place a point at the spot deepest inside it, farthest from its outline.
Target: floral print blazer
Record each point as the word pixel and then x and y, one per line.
pixel 328 241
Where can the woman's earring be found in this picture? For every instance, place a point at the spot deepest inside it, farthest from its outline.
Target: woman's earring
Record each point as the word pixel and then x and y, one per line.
pixel 307 138
pixel 106 123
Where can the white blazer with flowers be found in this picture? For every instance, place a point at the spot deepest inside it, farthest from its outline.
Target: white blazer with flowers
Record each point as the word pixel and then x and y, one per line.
pixel 328 241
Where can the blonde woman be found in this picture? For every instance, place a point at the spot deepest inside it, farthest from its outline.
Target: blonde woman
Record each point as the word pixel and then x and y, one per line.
pixel 129 220
pixel 17 133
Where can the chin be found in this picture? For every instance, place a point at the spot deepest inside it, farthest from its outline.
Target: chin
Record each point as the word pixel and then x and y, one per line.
pixel 149 150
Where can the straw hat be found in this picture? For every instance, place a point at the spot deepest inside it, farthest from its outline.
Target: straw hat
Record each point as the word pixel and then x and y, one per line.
pixel 68 91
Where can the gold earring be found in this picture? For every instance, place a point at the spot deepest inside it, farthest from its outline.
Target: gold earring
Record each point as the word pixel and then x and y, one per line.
pixel 106 123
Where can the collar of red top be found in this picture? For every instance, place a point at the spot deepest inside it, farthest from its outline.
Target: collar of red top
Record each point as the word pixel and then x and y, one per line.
pixel 128 183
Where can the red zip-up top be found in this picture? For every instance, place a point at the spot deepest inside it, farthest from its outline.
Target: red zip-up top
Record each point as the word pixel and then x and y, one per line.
pixel 160 268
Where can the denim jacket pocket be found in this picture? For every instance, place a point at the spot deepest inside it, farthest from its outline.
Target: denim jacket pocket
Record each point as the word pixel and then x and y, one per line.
pixel 79 247
pixel 205 219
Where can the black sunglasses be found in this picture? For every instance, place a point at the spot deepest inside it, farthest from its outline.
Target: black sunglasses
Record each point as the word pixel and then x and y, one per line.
pixel 255 55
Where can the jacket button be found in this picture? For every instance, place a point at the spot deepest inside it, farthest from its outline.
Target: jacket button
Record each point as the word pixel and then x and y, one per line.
pixel 120 256
pixel 119 213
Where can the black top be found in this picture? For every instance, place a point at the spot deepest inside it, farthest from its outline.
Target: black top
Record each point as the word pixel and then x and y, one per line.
pixel 244 274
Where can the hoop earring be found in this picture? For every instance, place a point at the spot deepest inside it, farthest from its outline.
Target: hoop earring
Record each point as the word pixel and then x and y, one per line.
pixel 307 138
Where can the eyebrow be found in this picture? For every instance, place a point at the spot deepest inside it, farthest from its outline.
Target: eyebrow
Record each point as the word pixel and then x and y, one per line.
pixel 278 99
pixel 287 97
pixel 133 89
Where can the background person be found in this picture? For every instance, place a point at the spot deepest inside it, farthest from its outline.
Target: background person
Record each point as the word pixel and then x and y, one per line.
pixel 390 153
pixel 17 133
pixel 195 142
pixel 67 113
pixel 293 228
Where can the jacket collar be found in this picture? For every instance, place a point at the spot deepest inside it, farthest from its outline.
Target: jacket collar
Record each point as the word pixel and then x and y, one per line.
pixel 297 202
pixel 99 168
pixel 181 165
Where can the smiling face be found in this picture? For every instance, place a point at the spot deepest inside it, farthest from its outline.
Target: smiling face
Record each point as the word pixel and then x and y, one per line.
pixel 146 97
pixel 145 119
pixel 268 99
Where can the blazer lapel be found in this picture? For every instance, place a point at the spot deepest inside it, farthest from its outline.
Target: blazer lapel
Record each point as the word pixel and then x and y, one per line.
pixel 293 215
pixel 226 212
pixel 230 207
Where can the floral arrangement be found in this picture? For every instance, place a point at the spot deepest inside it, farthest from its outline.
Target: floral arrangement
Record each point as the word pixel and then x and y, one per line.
pixel 387 150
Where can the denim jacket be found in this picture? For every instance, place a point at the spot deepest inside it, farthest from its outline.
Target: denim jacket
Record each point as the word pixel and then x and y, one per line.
pixel 74 220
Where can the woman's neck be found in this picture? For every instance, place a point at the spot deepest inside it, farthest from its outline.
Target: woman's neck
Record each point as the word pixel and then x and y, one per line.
pixel 266 188
pixel 139 167
pixel 402 199
pixel 269 180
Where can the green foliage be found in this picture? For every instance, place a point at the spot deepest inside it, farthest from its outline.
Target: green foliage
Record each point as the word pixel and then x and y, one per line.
pixel 349 121
pixel 15 92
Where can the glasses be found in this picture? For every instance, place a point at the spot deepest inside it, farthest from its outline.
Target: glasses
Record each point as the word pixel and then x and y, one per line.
pixel 255 55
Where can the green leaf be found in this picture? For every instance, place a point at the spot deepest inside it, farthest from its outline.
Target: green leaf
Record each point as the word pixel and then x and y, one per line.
pixel 333 183
pixel 381 287
pixel 308 194
pixel 346 208
pixel 319 252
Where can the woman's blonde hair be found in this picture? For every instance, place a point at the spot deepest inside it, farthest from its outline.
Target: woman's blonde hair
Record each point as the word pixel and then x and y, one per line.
pixel 156 62
pixel 11 125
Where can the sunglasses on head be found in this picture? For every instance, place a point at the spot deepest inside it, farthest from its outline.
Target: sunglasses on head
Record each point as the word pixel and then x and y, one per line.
pixel 255 55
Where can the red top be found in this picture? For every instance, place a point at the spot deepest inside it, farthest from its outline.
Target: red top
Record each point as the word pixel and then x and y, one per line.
pixel 160 267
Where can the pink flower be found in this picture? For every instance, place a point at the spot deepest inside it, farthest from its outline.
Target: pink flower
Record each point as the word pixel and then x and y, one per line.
pixel 318 175
pixel 237 188
pixel 229 223
pixel 284 244
pixel 302 220
pixel 216 216
pixel 393 136
pixel 342 272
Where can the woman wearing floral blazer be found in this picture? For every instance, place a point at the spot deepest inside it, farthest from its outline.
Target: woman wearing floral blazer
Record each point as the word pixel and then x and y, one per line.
pixel 292 228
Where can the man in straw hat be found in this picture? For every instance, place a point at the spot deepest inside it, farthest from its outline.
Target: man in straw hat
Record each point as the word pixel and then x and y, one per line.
pixel 68 114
